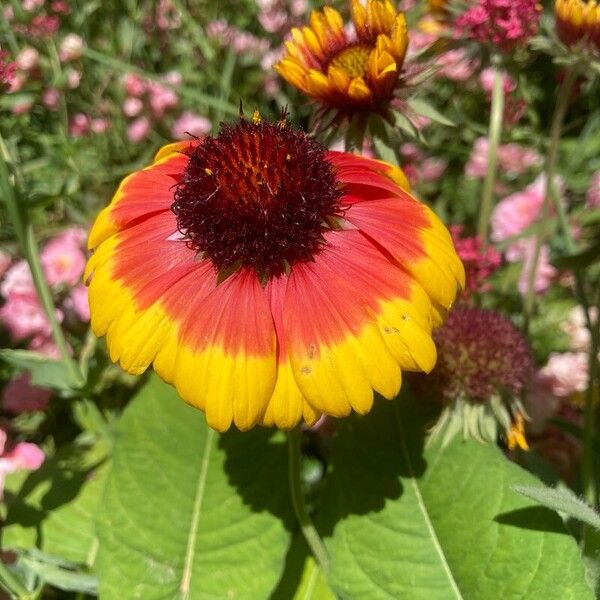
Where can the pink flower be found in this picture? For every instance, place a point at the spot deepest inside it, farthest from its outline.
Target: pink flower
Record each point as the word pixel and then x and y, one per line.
pixel 167 15
pixel 505 24
pixel 23 456
pixel 24 317
pixel 99 125
pixel 479 263
pixel 190 124
pixel 544 273
pixel 75 235
pixel 22 107
pixel 138 129
pixel 31 5
pixel 516 212
pixel 19 395
pixel 44 344
pixel 63 261
pixel 73 79
pixel 433 168
pixel 79 125
pixel 28 59
pixel 134 85
pixel 456 65
pixel 513 159
pixel 7 71
pixel 161 99
pixel 50 98
pixel 575 326
pixel 42 26
pixel 566 373
pixel 132 106
pixel 78 302
pixel 593 193
pixel 71 48
pixel 486 79
pixel 18 281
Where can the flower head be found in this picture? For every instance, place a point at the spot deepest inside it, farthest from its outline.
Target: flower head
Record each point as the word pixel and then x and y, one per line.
pixel 484 364
pixel 348 72
pixel 268 279
pixel 505 24
pixel 578 21
pixel 7 70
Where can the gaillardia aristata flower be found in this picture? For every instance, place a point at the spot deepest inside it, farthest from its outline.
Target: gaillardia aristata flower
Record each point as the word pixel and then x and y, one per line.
pixel 578 21
pixel 348 71
pixel 268 279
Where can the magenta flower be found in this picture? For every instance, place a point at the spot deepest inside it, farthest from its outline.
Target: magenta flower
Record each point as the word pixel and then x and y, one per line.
pixel 504 24
pixel 23 456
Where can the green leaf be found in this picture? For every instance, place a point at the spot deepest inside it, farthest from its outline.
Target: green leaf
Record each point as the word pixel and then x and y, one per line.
pixel 188 513
pixel 302 578
pixel 562 500
pixel 424 108
pixel 54 507
pixel 45 372
pixel 401 522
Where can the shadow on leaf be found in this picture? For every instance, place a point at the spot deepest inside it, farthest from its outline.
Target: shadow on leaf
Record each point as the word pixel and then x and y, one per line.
pixel 534 518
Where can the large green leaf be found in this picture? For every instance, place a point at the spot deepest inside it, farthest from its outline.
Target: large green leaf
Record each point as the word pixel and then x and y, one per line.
pixel 188 513
pixel 401 522
pixel 54 508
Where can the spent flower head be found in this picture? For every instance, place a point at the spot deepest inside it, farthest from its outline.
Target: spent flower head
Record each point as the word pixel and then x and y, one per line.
pixel 484 365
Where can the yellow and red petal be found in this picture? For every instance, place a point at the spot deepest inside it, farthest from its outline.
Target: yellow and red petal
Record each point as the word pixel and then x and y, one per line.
pixel 417 240
pixel 337 353
pixel 144 192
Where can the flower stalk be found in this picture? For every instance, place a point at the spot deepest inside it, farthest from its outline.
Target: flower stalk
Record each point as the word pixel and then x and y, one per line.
pixel 497 113
pixel 560 111
pixel 311 535
pixel 25 236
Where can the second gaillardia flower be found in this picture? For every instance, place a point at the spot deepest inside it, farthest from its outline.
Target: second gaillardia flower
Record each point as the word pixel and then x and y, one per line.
pixel 268 279
pixel 352 69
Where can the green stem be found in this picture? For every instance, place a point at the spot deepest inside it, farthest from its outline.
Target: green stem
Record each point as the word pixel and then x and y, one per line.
pixel 314 541
pixel 12 584
pixel 497 113
pixel 562 103
pixel 25 236
pixel 588 464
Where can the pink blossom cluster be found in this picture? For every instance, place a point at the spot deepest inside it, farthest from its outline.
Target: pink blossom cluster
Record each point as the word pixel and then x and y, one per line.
pixel 149 101
pixel 27 63
pixel 593 193
pixel 41 19
pixel 566 373
pixel 22 456
pixel 504 24
pixel 456 65
pixel 279 16
pixel 419 167
pixel 513 215
pixel 242 42
pixel 167 16
pixel 479 262
pixel 22 314
pixel 7 70
pixel 513 159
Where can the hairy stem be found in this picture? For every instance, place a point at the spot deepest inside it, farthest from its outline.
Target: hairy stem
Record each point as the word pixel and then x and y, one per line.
pixel 497 113
pixel 24 233
pixel 311 535
pixel 560 111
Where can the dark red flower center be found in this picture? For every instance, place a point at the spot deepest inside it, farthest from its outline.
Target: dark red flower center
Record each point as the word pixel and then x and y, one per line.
pixel 257 195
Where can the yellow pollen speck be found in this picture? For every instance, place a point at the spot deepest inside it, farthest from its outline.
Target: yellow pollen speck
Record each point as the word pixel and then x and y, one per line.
pixel 256 118
pixel 288 157
pixel 208 171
